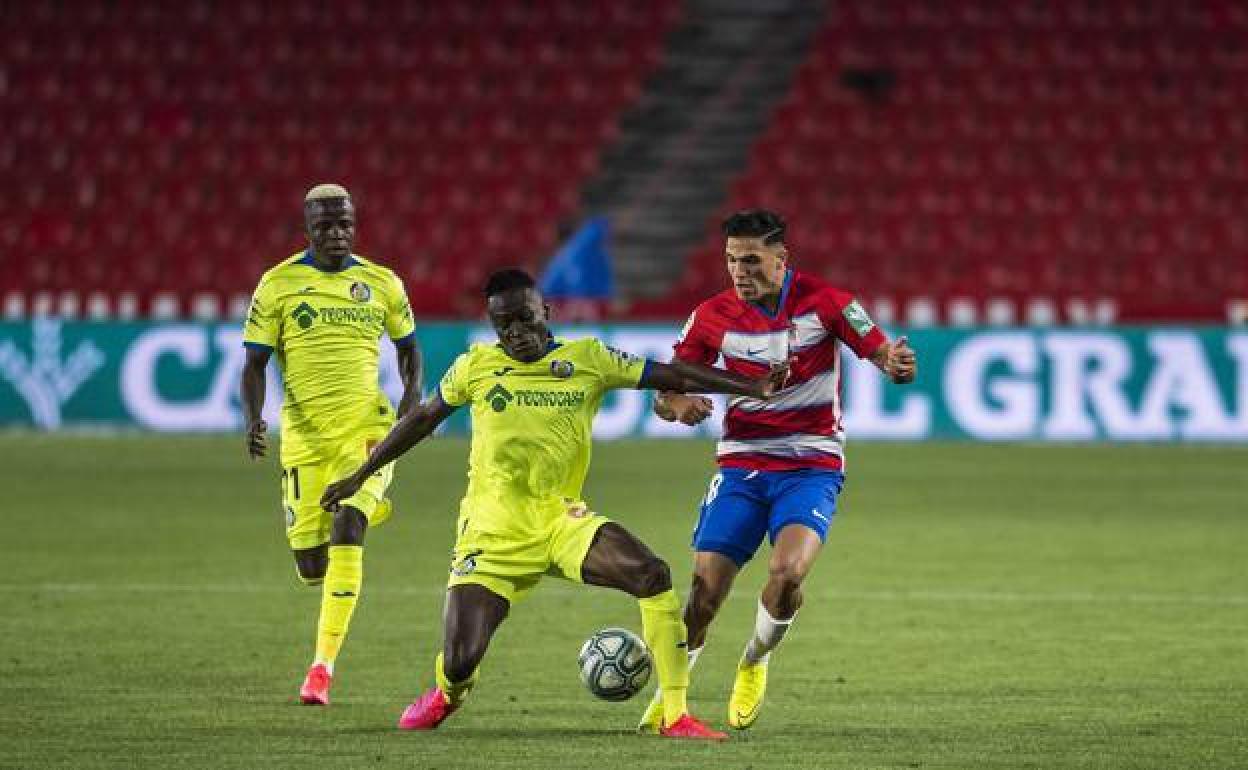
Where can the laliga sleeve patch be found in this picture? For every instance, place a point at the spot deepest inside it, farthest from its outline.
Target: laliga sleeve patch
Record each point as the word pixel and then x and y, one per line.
pixel 858 319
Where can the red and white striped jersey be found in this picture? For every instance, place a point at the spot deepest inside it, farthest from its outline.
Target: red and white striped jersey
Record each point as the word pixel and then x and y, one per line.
pixel 799 427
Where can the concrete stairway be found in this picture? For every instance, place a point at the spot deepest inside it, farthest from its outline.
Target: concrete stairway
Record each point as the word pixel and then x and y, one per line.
pixel 727 65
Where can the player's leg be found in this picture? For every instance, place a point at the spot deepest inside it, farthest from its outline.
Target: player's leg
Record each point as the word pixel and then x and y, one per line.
pixel 617 559
pixel 344 573
pixel 344 581
pixel 803 505
pixel 473 613
pixel 713 576
pixel 311 563
pixel 305 529
pixel 731 525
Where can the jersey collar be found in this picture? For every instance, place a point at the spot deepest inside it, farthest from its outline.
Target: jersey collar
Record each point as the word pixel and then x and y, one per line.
pixel 784 296
pixel 310 261
pixel 551 345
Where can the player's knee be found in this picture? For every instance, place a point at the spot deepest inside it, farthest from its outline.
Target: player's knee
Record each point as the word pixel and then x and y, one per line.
pixel 704 599
pixel 653 578
pixel 311 565
pixel 708 593
pixel 786 577
pixel 349 527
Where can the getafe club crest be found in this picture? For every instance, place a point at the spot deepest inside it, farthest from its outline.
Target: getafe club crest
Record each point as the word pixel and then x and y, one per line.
pixel 360 292
pixel 562 369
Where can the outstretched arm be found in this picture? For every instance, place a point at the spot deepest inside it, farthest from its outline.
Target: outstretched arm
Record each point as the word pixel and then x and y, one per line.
pixel 415 427
pixel 408 353
pixel 897 360
pixel 251 394
pixel 685 377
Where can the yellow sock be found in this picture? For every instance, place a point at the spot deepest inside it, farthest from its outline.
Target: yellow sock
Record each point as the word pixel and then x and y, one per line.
pixel 665 635
pixel 455 692
pixel 338 597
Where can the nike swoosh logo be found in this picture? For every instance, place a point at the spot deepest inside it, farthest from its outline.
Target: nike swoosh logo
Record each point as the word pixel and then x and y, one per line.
pixel 815 512
pixel 758 352
pixel 749 716
pixel 342 594
pixel 504 370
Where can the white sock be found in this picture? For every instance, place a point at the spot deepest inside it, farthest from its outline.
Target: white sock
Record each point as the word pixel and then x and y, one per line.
pixel 767 634
pixel 693 658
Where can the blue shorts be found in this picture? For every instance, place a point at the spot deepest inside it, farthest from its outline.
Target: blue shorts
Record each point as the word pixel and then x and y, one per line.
pixel 742 505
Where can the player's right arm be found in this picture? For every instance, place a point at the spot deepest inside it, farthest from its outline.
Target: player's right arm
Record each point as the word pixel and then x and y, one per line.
pixel 415 426
pixel 410 430
pixel 251 394
pixel 261 331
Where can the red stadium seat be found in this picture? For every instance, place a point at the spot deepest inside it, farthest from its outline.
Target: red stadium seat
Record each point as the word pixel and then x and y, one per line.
pixel 141 130
pixel 1079 149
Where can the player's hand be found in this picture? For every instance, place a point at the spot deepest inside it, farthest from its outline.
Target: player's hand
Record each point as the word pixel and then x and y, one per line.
pixel 776 377
pixel 688 409
pixel 257 441
pixel 340 490
pixel 901 364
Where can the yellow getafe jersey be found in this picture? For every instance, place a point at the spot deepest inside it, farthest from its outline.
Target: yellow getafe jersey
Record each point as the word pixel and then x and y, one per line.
pixel 531 428
pixel 325 328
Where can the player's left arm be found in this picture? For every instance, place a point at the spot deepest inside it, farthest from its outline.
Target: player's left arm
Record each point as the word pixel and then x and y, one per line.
pixel 415 426
pixel 402 330
pixel 845 317
pixel 410 371
pixel 897 360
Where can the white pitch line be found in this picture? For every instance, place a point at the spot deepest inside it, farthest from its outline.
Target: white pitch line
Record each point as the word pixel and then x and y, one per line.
pixel 1009 597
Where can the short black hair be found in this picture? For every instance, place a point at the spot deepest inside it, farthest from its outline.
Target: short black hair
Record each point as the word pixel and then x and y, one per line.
pixel 755 223
pixel 506 279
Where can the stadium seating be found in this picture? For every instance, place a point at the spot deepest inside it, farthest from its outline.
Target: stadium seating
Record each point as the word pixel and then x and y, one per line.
pixel 157 152
pixel 961 161
pixel 973 160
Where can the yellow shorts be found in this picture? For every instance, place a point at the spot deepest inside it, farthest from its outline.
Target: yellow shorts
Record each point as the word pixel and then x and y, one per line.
pixel 511 567
pixel 307 524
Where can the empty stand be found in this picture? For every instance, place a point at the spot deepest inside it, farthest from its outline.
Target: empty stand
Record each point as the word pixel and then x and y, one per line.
pixel 159 151
pixel 1090 155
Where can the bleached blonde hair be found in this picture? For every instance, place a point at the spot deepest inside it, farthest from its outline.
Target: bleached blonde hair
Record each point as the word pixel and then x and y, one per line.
pixel 326 191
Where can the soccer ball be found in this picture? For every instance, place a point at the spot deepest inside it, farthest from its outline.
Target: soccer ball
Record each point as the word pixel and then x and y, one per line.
pixel 615 664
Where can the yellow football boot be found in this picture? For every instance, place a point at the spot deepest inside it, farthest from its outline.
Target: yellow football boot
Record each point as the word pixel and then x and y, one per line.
pixel 652 719
pixel 747 694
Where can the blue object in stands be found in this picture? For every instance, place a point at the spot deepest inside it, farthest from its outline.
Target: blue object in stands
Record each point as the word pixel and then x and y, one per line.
pixel 581 268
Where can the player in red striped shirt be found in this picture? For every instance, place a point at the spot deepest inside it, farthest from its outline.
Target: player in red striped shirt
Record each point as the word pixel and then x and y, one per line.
pixel 780 461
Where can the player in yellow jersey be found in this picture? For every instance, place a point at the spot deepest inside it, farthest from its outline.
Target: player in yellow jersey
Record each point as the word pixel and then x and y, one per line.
pixel 323 312
pixel 533 401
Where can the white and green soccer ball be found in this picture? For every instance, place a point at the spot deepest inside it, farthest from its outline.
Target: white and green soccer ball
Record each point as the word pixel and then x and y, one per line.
pixel 615 664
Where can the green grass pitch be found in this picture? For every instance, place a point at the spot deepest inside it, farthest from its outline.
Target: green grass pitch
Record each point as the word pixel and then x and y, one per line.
pixel 976 606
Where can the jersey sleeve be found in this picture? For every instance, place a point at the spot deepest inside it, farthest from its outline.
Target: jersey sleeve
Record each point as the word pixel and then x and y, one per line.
pixel 399 323
pixel 615 368
pixel 848 320
pixel 454 385
pixel 263 326
pixel 694 344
